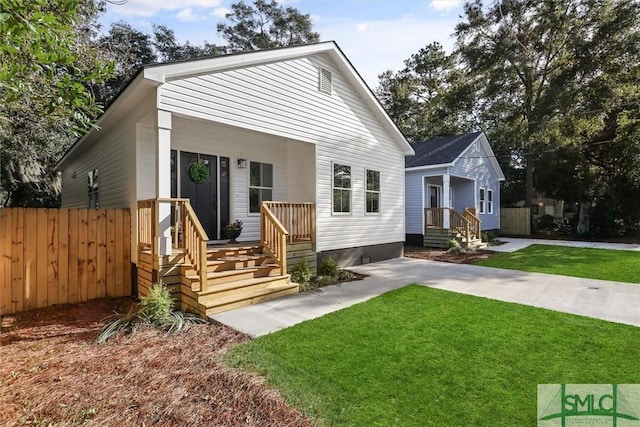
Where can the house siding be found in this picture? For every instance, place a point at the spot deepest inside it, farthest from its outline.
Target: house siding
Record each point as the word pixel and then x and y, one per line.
pixel 282 99
pixel 474 164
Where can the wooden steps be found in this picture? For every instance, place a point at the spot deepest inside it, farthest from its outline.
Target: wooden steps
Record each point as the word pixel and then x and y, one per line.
pixel 236 277
pixel 439 238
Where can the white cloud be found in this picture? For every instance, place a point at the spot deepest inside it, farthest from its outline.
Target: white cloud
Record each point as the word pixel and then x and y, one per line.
pixel 187 15
pixel 445 5
pixel 392 42
pixel 149 8
pixel 363 26
pixel 220 12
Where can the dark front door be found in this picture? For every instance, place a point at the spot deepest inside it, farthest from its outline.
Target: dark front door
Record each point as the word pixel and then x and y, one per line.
pixel 204 196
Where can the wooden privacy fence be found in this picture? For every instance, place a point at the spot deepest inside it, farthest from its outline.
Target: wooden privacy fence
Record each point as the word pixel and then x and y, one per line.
pixel 516 221
pixel 62 256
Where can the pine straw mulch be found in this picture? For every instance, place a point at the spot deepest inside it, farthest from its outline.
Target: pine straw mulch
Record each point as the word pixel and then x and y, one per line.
pixel 432 254
pixel 52 374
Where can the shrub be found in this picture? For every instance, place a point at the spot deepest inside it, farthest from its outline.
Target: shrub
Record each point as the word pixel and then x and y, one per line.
pixel 488 237
pixel 546 223
pixel 156 307
pixel 454 247
pixel 329 267
pixel 155 310
pixel 346 276
pixel 300 272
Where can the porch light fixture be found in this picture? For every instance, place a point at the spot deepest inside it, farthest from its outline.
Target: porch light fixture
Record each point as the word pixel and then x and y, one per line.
pixel 242 163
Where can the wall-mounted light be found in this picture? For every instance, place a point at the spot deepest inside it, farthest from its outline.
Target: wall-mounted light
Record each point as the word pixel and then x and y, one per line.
pixel 242 163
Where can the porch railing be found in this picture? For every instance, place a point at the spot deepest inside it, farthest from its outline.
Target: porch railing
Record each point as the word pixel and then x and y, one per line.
pixel 273 237
pixel 467 224
pixel 470 215
pixel 186 232
pixel 434 217
pixel 298 218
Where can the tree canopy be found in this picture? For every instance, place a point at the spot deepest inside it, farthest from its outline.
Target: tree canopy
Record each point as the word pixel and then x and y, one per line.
pixel 265 25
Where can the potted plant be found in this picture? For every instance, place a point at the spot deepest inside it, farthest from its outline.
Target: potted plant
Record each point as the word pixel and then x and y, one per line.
pixel 232 231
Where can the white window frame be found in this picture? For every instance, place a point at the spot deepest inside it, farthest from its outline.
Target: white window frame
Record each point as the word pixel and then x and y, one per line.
pixel 489 201
pixel 93 188
pixel 482 196
pixel 367 191
pixel 260 188
pixel 333 188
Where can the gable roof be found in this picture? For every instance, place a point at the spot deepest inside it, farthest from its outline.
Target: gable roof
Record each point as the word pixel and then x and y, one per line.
pixel 151 76
pixel 445 151
pixel 440 151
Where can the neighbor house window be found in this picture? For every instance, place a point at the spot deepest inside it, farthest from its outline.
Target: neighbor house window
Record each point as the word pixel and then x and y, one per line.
pixel 373 191
pixel 341 188
pixel 260 185
pixel 490 201
pixel 482 201
pixel 92 189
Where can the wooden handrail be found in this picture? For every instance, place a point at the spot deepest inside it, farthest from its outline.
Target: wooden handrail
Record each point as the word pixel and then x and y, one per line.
pixel 467 224
pixel 187 235
pixel 460 224
pixel 298 219
pixel 470 214
pixel 273 237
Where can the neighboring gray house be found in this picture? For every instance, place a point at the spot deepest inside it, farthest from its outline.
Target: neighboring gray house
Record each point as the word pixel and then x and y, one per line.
pixel 452 188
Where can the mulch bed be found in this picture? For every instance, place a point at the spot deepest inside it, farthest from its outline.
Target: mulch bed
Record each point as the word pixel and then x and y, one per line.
pixel 432 254
pixel 52 374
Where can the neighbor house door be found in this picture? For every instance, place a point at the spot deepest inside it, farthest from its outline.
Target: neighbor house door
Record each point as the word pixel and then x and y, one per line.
pixel 434 196
pixel 210 199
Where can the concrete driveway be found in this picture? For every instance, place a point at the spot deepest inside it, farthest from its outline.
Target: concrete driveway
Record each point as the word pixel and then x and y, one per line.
pixel 613 301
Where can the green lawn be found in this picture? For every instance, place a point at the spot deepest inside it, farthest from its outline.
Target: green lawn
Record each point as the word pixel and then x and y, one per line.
pixel 620 266
pixel 419 356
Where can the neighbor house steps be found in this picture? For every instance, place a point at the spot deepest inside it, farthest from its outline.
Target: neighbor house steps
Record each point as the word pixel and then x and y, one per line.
pixel 439 238
pixel 236 277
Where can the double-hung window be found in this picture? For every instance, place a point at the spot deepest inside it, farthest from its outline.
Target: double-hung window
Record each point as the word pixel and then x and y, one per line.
pixel 482 201
pixel 260 185
pixel 489 201
pixel 373 191
pixel 341 188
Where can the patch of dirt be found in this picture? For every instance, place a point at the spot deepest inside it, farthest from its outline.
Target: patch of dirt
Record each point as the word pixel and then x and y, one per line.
pixel 432 254
pixel 52 374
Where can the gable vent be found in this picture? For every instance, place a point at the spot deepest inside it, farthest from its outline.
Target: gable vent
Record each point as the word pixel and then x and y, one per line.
pixel 324 84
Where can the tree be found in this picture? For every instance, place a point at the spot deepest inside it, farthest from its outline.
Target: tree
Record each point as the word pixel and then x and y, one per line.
pixel 429 97
pixel 47 68
pixel 266 25
pixel 539 65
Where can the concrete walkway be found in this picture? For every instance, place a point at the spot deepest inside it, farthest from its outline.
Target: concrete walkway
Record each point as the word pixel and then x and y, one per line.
pixel 512 244
pixel 617 302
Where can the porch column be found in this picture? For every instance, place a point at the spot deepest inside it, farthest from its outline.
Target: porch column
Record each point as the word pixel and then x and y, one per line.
pixel 163 181
pixel 445 200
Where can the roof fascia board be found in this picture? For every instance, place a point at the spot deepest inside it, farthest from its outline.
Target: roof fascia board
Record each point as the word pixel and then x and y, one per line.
pixel 166 72
pixel 419 168
pixel 492 157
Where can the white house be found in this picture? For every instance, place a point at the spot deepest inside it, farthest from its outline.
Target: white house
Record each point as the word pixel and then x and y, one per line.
pixel 452 189
pixel 296 126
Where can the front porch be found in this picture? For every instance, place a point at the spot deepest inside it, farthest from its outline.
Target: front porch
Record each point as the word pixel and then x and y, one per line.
pixel 206 277
pixel 444 224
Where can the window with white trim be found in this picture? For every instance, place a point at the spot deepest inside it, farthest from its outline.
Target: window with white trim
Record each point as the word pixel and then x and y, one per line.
pixel 372 191
pixel 92 189
pixel 489 201
pixel 341 188
pixel 260 185
pixel 481 201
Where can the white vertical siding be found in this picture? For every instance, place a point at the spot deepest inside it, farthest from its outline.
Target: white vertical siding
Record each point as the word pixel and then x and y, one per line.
pixel 283 99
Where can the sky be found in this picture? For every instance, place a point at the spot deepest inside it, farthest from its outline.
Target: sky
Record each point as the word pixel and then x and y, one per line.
pixel 376 35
